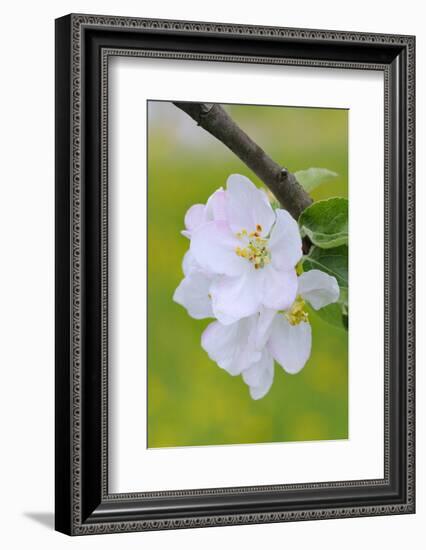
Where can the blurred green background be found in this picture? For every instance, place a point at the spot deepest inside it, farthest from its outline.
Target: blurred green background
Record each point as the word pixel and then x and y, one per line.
pixel 191 401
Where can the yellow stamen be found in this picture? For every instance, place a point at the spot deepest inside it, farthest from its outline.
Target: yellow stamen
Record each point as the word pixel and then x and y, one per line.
pixel 256 250
pixel 297 313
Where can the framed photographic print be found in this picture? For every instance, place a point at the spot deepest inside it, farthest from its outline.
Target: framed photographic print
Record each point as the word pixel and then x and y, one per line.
pixel 234 274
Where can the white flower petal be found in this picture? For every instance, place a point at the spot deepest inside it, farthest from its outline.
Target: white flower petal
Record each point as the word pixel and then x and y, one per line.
pixel 253 375
pixel 257 392
pixel 280 288
pixel 216 206
pixel 285 243
pixel 318 288
pixel 213 247
pixel 290 345
pixel 264 326
pixel 220 342
pixel 260 375
pixel 237 297
pixel 194 217
pixel 193 295
pixel 247 206
pixel 189 264
pixel 230 346
pixel 225 318
pixel 198 214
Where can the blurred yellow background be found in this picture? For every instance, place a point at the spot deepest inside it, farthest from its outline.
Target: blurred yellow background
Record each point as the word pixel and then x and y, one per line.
pixel 191 401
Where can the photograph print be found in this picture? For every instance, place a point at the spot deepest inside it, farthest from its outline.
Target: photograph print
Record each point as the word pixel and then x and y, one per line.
pixel 248 317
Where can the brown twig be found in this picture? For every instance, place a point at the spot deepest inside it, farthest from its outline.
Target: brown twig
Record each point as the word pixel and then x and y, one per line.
pixel 283 184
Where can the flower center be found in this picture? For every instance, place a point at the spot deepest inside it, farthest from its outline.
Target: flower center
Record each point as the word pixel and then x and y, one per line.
pixel 255 250
pixel 297 313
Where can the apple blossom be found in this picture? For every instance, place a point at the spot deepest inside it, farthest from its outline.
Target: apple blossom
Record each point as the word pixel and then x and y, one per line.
pixel 249 249
pixel 241 270
pixel 250 346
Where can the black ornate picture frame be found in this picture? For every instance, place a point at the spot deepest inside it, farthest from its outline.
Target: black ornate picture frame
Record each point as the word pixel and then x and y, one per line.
pixel 84 44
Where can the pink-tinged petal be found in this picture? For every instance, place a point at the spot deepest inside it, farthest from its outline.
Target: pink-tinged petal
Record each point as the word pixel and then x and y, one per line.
pixel 290 345
pixel 318 288
pixel 260 375
pixel 193 295
pixel 230 346
pixel 264 326
pixel 213 246
pixel 247 206
pixel 216 206
pixel 194 217
pixel 285 243
pixel 280 288
pixel 237 297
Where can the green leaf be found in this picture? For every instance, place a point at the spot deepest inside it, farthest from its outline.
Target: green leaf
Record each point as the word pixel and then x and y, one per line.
pixel 343 299
pixel 331 314
pixel 313 177
pixel 326 222
pixel 333 261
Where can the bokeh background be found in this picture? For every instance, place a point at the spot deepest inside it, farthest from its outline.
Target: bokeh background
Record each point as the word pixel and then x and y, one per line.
pixel 191 401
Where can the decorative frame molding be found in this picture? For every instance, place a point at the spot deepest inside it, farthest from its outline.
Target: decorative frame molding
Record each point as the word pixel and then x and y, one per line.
pixel 84 44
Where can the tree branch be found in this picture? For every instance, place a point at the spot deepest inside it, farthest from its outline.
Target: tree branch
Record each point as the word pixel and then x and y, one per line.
pixel 283 184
